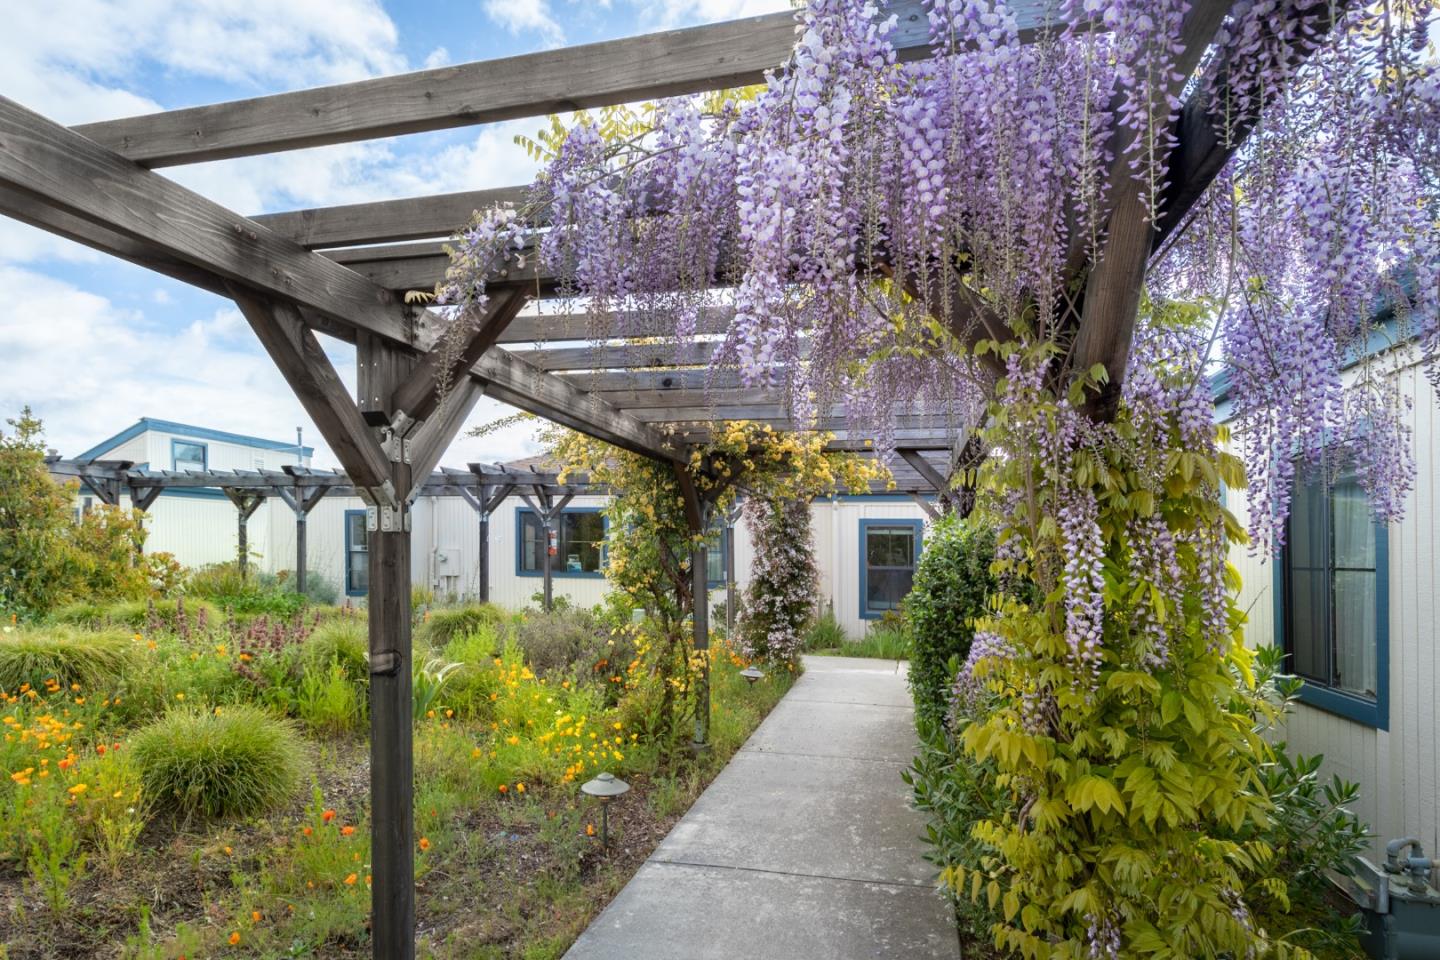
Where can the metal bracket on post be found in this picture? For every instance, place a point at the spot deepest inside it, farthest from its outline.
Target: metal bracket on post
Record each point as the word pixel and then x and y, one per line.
pixel 384 512
pixel 395 445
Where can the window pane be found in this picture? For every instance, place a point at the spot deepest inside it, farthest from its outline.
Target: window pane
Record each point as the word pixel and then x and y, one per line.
pixel 1355 641
pixel 1354 527
pixel 715 561
pixel 188 456
pixel 1309 610
pixel 890 547
pixel 884 589
pixel 357 559
pixel 582 535
pixel 531 539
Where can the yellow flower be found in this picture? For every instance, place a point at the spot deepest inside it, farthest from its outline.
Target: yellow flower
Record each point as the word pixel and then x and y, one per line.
pixel 78 789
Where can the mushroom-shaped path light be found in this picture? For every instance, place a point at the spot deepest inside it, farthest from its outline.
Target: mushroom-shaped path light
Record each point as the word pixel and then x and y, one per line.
pixel 605 787
pixel 751 674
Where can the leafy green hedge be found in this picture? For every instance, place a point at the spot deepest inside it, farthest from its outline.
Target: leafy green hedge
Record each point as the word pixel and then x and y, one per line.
pixel 951 586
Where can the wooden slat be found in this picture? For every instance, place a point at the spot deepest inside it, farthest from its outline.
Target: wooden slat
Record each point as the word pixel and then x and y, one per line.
pixel 513 381
pixel 629 381
pixel 388 221
pixel 581 326
pixel 619 71
pixel 617 357
pixel 652 399
pixel 73 176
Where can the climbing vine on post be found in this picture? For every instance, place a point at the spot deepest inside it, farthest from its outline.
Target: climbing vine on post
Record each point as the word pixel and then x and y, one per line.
pixel 780 599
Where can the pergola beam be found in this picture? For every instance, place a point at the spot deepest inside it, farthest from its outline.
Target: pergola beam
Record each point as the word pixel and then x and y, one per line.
pixel 647 67
pixel 68 174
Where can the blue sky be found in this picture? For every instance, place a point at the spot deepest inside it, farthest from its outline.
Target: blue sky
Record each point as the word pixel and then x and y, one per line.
pixel 92 343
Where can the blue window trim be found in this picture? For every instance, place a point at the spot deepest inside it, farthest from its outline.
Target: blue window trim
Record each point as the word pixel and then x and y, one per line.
pixel 865 525
pixel 348 544
pixel 556 572
pixel 1372 713
pixel 204 451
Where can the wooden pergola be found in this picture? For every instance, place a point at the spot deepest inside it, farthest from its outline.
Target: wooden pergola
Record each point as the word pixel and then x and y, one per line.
pixel 342 271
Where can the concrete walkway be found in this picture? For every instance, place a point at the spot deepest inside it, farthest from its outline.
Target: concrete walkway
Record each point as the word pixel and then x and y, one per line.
pixel 804 848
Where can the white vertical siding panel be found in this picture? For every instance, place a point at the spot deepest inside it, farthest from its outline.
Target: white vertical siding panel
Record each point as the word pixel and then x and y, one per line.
pixel 1398 770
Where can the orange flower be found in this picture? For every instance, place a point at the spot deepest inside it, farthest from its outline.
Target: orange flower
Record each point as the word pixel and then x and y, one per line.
pixel 350 880
pixel 424 843
pixel 254 916
pixel 589 829
pixel 234 938
pixel 328 815
pixel 346 830
pixel 307 831
pixel 504 788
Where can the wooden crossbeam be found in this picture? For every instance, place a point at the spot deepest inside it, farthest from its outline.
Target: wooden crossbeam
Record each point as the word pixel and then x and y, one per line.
pixel 419 395
pixel 1116 278
pixel 70 175
pixel 303 363
pixel 647 67
pixel 551 327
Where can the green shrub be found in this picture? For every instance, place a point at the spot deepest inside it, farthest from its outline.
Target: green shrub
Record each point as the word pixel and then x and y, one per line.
pixel 320 590
pixel 446 623
pixel 328 701
pixel 96 661
pixel 342 642
pixel 237 761
pixel 555 643
pixel 825 633
pixel 249 595
pixel 952 583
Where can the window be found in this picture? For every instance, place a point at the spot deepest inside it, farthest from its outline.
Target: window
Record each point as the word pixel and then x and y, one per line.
pixel 580 543
pixel 357 554
pixel 889 551
pixel 718 540
pixel 1332 593
pixel 187 455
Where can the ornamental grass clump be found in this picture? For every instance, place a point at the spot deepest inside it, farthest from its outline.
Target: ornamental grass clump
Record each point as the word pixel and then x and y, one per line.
pixel 232 761
pixel 97 662
pixel 340 642
pixel 446 623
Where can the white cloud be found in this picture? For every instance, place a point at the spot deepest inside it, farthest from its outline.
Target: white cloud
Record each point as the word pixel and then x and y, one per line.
pixel 438 57
pixel 520 16
pixel 674 13
pixel 90 368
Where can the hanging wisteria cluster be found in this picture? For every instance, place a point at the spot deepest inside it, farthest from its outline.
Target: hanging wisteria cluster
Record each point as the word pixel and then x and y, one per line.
pixel 861 215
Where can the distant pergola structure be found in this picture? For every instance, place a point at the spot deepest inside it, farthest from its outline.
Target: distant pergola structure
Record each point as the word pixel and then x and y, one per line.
pixel 342 271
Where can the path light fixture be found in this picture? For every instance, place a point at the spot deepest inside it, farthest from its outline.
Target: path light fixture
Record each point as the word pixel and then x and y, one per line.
pixel 751 674
pixel 605 787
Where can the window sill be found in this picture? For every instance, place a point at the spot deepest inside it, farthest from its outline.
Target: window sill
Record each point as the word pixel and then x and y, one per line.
pixel 1371 713
pixel 561 575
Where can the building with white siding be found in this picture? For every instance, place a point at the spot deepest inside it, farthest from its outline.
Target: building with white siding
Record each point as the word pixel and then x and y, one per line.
pixel 1354 604
pixel 866 546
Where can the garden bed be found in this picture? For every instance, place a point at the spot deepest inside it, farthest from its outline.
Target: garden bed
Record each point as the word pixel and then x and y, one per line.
pixel 508 859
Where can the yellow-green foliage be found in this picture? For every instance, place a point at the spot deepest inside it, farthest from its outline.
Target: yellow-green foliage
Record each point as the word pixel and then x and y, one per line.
pixel 95 661
pixel 1125 796
pixel 137 615
pixel 445 624
pixel 342 642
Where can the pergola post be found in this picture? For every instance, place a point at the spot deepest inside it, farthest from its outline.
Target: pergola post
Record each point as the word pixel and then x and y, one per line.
pixel 484 557
pixel 301 503
pixel 246 503
pixel 697 519
pixel 548 511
